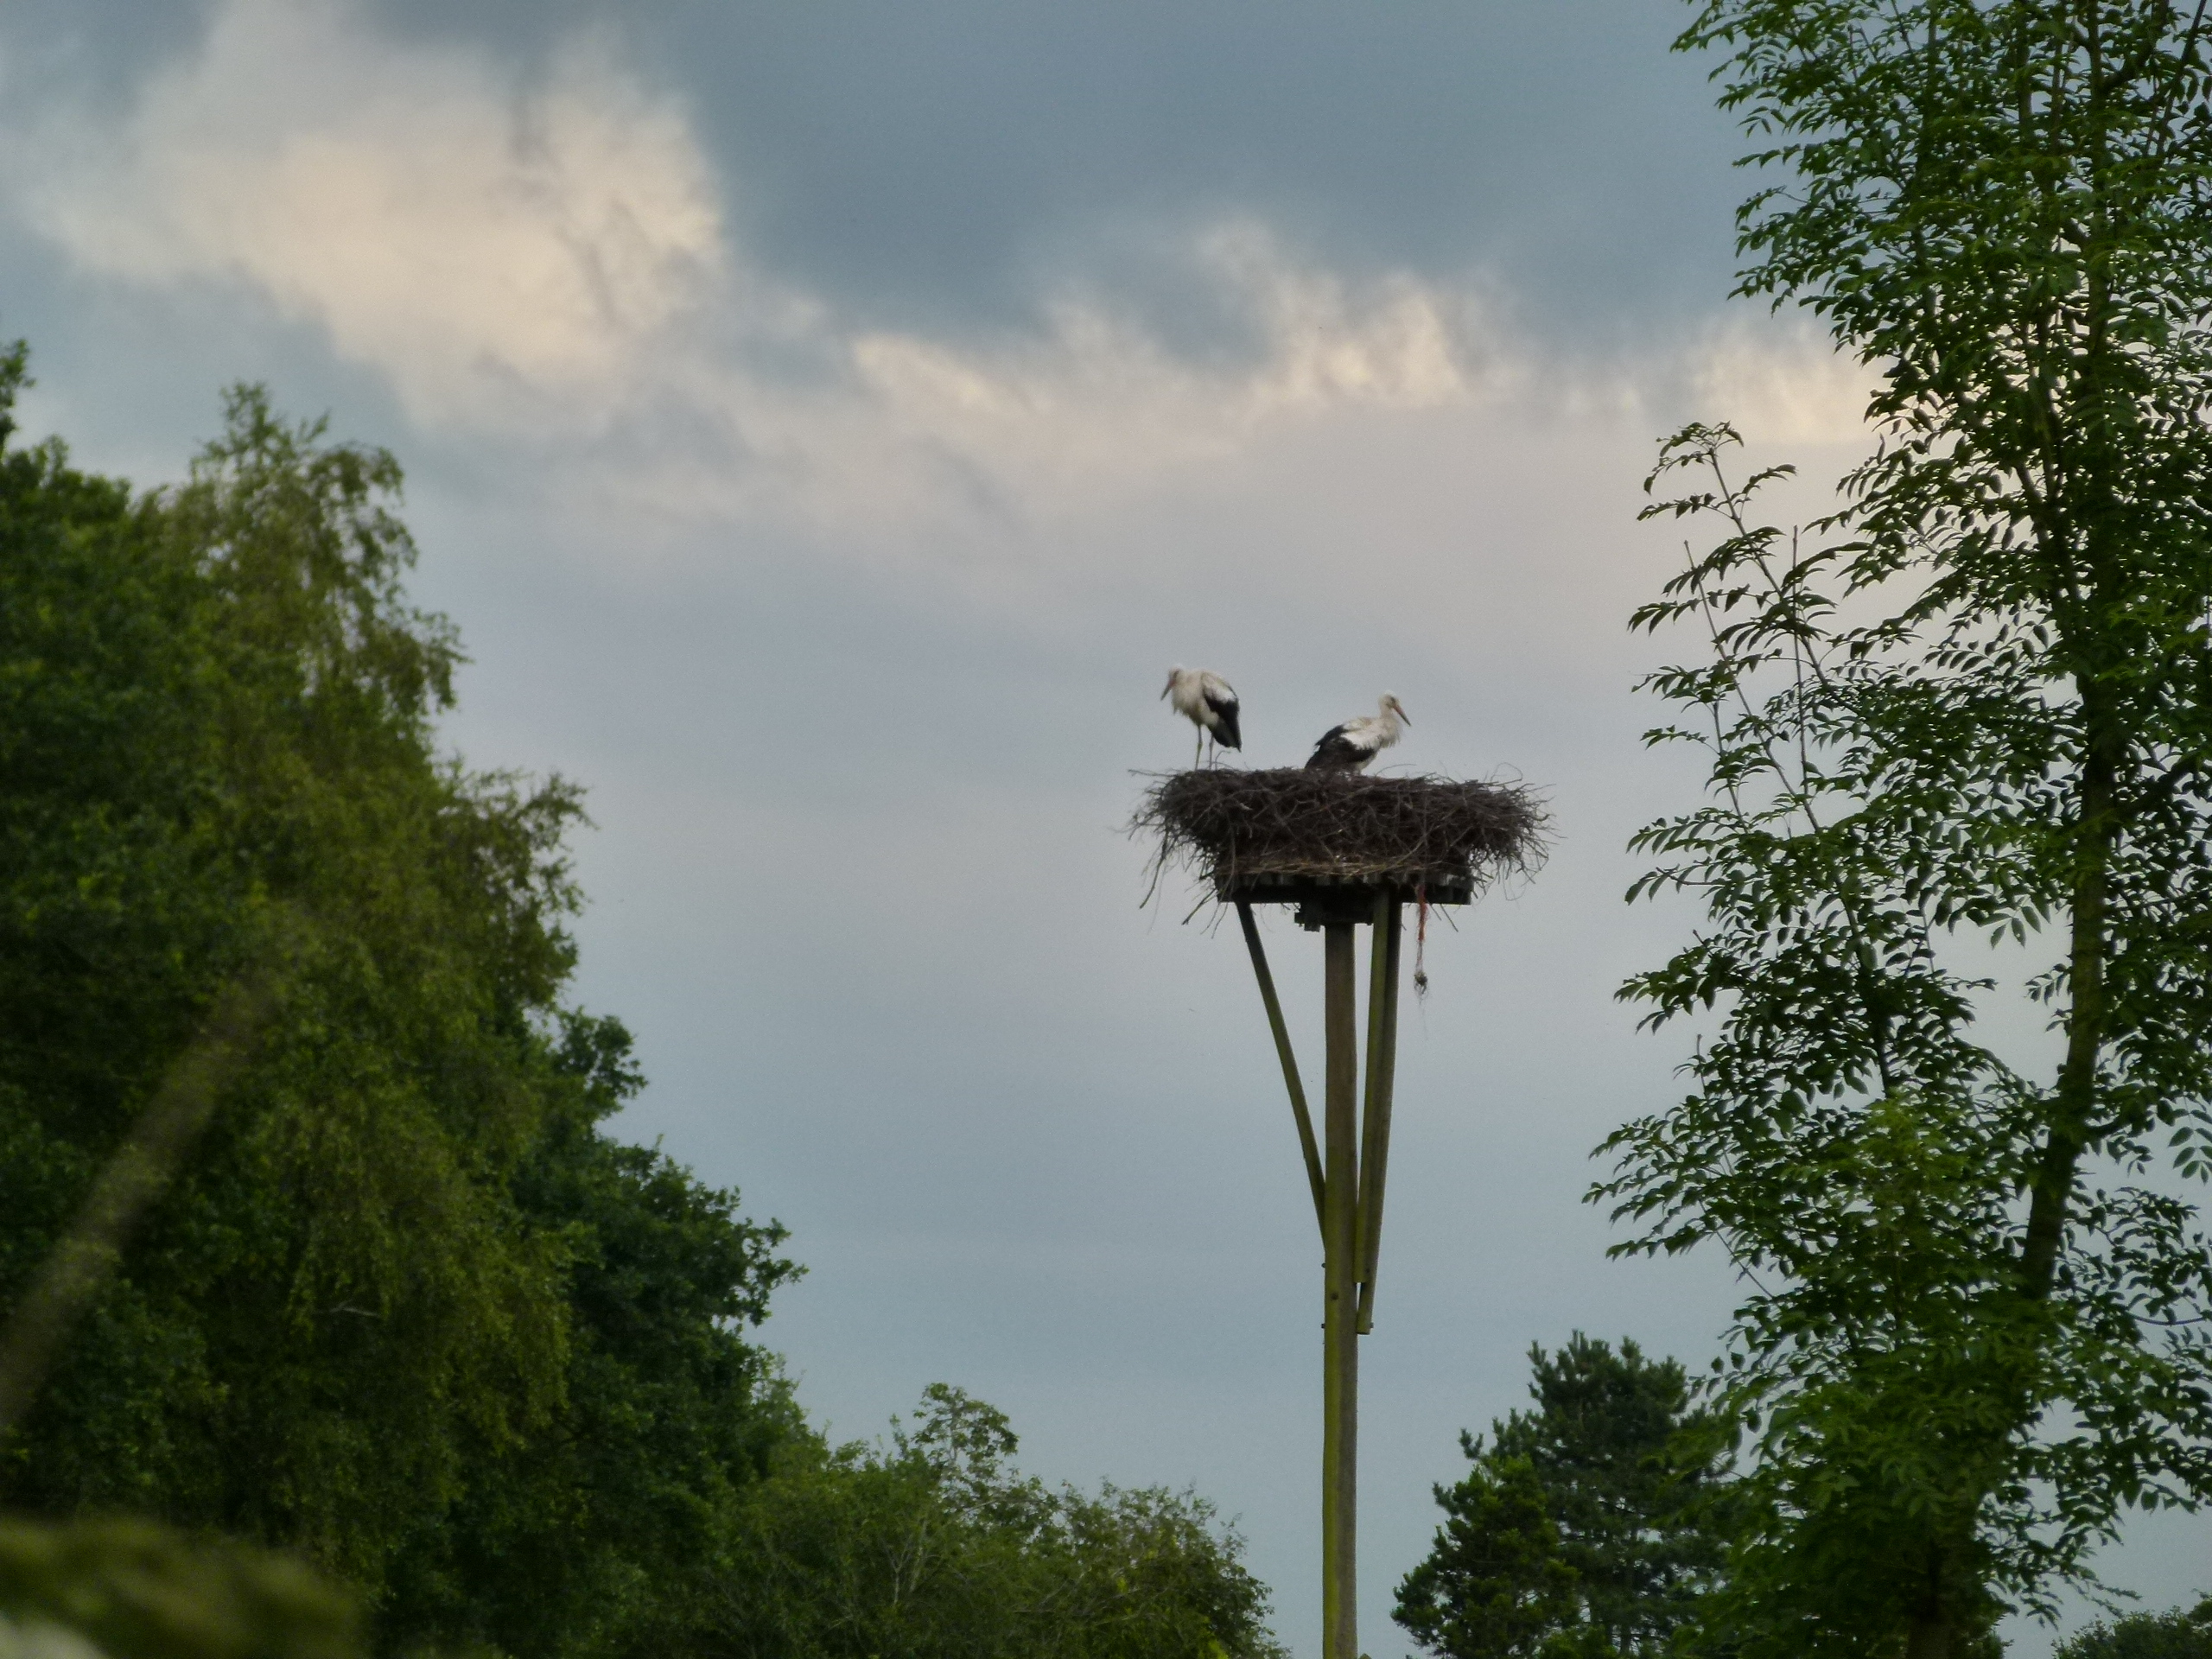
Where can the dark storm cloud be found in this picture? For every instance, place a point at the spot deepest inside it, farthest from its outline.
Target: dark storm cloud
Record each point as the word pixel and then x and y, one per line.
pixel 937 166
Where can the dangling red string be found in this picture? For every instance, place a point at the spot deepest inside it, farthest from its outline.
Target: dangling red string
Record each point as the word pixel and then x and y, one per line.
pixel 1421 938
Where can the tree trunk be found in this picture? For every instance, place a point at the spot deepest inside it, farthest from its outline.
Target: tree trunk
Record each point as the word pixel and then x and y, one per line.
pixel 2073 1115
pixel 1928 1638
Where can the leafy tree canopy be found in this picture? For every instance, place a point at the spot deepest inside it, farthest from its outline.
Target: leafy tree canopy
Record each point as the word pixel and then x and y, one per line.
pixel 1585 1528
pixel 2176 1635
pixel 409 1309
pixel 1975 703
pixel 936 1548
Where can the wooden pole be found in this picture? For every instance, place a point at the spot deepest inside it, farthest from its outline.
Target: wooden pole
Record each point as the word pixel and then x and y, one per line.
pixel 1305 1144
pixel 1340 1241
pixel 1382 1079
pixel 1370 1116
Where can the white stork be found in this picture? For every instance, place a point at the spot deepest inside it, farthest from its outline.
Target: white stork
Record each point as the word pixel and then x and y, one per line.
pixel 1204 699
pixel 1353 746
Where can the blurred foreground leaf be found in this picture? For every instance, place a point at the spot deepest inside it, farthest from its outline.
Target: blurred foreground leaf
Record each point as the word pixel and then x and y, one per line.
pixel 135 1590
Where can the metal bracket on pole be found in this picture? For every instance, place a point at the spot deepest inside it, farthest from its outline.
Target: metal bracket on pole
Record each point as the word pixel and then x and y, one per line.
pixel 1382 1074
pixel 1306 1143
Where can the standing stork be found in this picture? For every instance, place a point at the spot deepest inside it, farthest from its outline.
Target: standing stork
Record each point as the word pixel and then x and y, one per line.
pixel 1353 746
pixel 1204 699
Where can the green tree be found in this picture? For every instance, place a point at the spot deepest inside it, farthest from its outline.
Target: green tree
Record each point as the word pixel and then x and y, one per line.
pixel 409 1309
pixel 2176 1635
pixel 1975 702
pixel 1586 1527
pixel 936 1548
pixel 598 1534
pixel 216 705
pixel 1495 1582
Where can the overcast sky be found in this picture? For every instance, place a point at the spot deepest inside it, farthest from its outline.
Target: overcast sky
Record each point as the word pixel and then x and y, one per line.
pixel 826 422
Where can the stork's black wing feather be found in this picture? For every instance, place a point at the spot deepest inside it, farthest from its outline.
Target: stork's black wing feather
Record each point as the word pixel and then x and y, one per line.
pixel 1224 713
pixel 1334 750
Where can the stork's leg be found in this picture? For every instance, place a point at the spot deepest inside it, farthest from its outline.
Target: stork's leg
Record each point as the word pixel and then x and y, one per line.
pixel 1198 748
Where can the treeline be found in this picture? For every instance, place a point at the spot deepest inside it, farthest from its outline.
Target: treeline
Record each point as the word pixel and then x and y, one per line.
pixel 408 1309
pixel 1600 1525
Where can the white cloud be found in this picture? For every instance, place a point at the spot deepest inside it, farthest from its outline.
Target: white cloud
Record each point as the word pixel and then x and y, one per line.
pixel 522 261
pixel 479 243
pixel 549 265
pixel 1780 381
pixel 1085 409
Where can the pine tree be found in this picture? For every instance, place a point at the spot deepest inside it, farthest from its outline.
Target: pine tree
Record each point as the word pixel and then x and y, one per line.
pixel 1584 1527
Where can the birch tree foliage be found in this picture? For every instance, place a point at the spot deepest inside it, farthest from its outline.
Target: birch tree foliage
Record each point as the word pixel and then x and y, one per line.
pixel 1972 705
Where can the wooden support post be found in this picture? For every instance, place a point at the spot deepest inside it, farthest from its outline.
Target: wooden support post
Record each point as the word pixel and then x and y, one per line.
pixel 1340 1239
pixel 1305 1144
pixel 1345 1171
pixel 1369 1113
pixel 1382 1078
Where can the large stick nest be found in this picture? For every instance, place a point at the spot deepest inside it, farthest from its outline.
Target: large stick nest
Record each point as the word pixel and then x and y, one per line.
pixel 1231 826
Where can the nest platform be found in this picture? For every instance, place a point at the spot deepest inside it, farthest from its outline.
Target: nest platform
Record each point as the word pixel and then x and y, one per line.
pixel 1334 842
